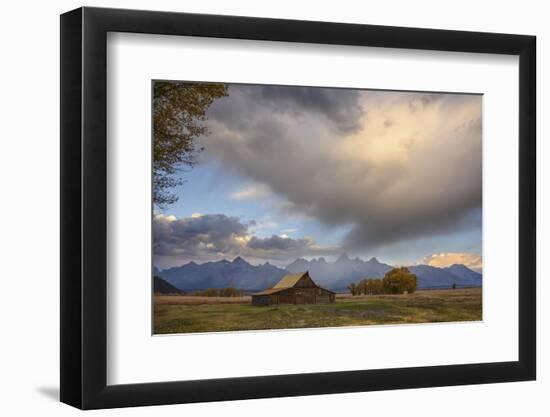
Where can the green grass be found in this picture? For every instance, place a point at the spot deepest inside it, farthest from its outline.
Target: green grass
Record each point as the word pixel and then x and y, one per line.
pixel 176 314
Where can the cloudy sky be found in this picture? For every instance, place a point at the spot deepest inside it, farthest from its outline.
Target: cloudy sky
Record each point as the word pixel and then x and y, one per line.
pixel 290 172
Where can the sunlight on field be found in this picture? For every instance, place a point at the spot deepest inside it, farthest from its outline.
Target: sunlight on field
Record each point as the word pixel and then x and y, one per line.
pixel 190 314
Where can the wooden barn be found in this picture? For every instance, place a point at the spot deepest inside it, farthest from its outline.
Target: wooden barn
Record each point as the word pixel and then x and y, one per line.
pixel 294 289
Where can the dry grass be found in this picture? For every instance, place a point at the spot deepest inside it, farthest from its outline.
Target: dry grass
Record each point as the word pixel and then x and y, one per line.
pixel 196 300
pixel 420 294
pixel 185 314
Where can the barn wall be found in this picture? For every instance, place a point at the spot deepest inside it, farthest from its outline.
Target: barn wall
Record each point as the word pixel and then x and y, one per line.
pixel 324 296
pixel 305 295
pixel 305 292
pixel 283 297
pixel 305 282
pixel 260 300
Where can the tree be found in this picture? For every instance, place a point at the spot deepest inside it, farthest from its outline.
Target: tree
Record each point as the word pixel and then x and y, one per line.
pixel 229 292
pixel 179 110
pixel 353 288
pixel 211 292
pixel 362 287
pixel 399 280
pixel 368 286
pixel 374 286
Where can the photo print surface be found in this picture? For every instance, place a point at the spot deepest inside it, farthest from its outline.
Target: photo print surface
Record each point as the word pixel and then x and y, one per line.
pixel 285 207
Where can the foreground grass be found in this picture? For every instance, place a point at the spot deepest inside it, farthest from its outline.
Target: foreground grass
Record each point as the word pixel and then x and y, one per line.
pixel 187 314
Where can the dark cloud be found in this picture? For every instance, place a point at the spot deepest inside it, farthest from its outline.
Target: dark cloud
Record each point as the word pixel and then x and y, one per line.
pixel 197 236
pixel 217 236
pixel 285 248
pixel 418 176
pixel 339 109
pixel 279 243
pixel 340 106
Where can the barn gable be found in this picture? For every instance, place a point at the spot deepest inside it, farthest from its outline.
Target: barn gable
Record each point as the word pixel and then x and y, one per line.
pixel 306 282
pixel 294 289
pixel 301 279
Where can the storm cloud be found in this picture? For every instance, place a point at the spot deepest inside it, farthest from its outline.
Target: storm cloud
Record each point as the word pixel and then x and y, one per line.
pixel 280 243
pixel 196 236
pixel 217 236
pixel 338 109
pixel 340 106
pixel 394 166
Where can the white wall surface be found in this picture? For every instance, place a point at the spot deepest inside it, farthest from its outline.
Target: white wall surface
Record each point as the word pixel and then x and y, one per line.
pixel 29 220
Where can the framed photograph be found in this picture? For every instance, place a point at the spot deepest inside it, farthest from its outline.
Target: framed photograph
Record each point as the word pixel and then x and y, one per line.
pixel 257 208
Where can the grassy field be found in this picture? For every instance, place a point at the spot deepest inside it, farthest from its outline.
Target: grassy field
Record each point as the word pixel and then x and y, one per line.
pixel 190 314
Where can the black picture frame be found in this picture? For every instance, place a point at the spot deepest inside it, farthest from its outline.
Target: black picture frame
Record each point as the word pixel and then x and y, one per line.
pixel 84 207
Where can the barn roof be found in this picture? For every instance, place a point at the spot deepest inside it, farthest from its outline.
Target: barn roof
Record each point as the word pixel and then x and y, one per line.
pixel 289 280
pixel 269 291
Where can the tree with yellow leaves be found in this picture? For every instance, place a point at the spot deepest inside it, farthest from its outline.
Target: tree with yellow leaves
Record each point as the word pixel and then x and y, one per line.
pixel 399 280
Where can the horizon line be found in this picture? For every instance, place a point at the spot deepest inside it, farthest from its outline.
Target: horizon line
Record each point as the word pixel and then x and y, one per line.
pixel 312 259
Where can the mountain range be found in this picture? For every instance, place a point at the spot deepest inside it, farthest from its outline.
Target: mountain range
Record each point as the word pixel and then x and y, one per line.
pixel 222 274
pixel 339 274
pixel 335 276
pixel 162 287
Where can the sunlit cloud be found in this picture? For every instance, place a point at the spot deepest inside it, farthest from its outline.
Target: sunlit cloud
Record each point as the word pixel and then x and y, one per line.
pixel 440 260
pixel 251 192
pixel 395 166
